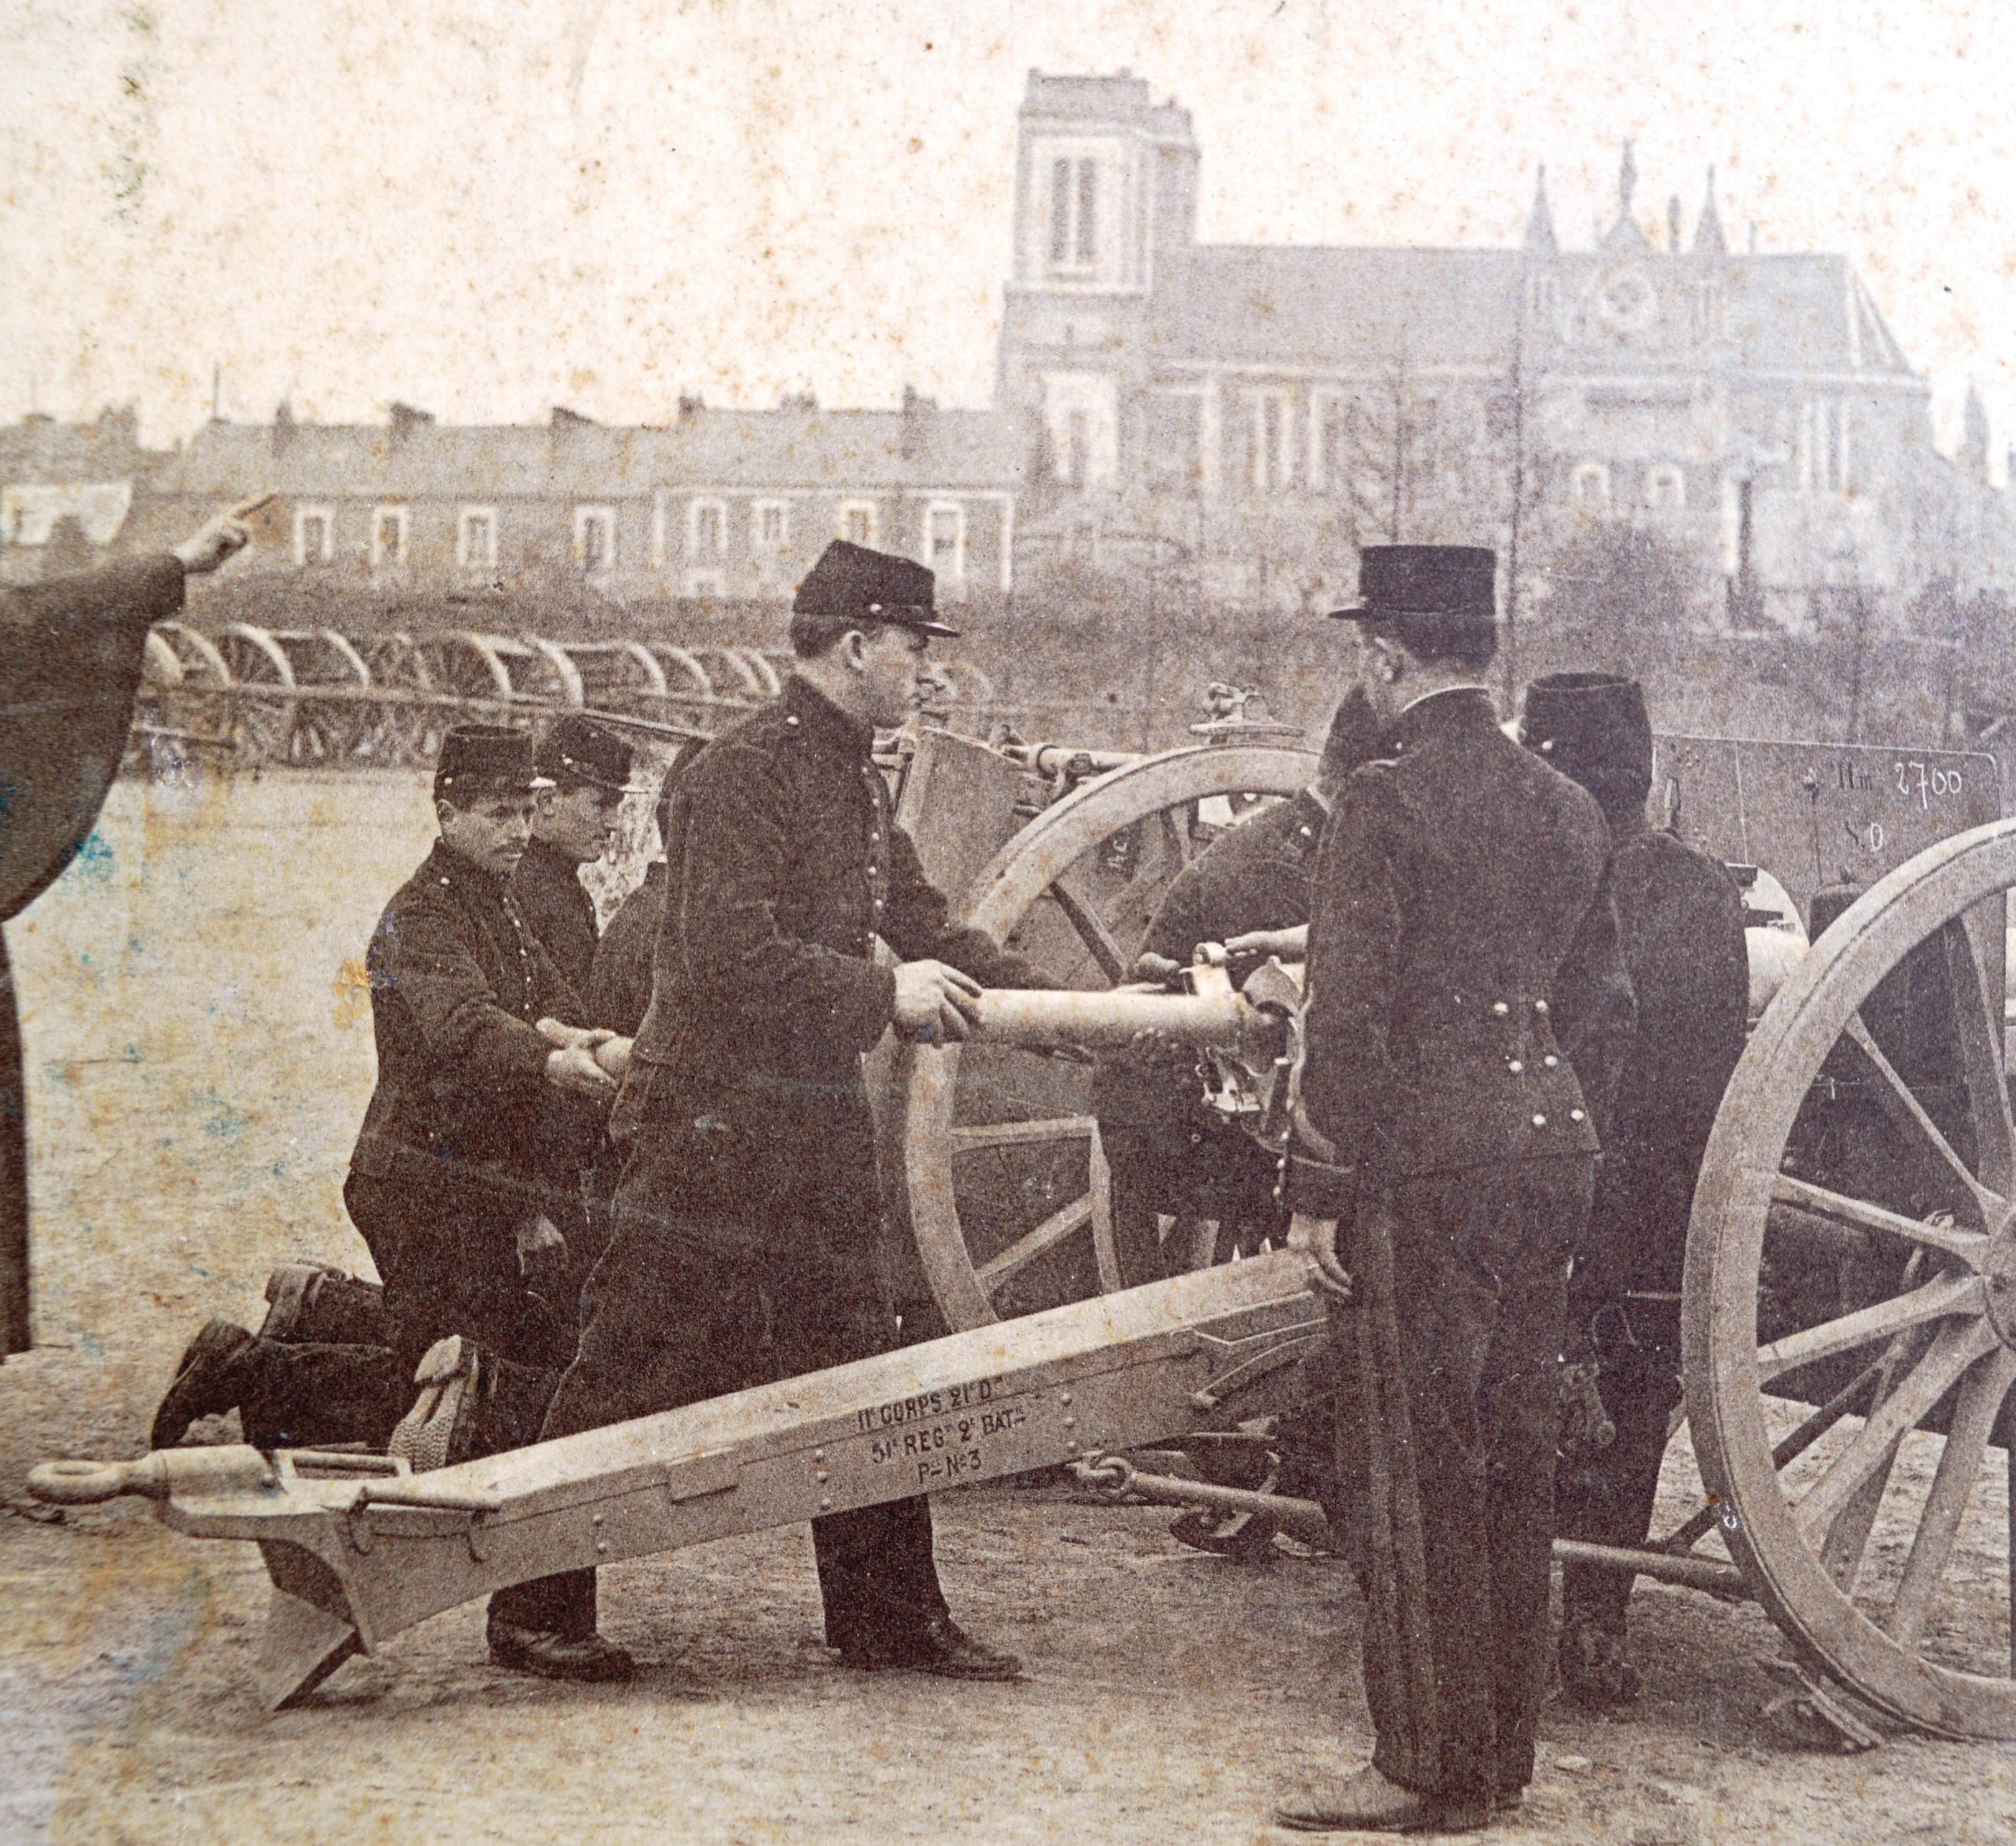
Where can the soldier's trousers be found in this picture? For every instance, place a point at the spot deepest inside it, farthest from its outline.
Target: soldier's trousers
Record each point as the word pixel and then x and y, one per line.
pixel 448 1257
pixel 669 1320
pixel 1607 1497
pixel 1448 1414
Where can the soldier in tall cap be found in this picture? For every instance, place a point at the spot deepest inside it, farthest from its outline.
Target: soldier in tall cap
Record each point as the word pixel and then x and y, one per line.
pixel 573 823
pixel 1463 950
pixel 748 1195
pixel 1680 920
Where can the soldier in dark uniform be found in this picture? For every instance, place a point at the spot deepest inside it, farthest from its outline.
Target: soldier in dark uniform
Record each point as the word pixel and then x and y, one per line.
pixel 1166 1154
pixel 1462 948
pixel 748 1193
pixel 71 652
pixel 1680 920
pixel 573 825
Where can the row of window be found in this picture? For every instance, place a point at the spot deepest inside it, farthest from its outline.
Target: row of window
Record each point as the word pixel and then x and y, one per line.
pixel 1589 487
pixel 595 535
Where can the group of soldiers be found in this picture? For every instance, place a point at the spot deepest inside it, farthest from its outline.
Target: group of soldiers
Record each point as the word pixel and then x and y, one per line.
pixel 604 1177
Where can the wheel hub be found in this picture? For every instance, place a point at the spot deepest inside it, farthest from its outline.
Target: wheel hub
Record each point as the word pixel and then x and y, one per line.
pixel 1998 1276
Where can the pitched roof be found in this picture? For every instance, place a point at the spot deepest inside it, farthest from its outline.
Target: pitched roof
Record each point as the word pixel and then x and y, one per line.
pixel 828 449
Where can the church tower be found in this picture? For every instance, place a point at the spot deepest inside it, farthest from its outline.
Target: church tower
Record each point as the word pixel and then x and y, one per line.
pixel 1105 182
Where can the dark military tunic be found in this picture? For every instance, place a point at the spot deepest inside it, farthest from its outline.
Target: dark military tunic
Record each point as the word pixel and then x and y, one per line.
pixel 619 986
pixel 1166 1152
pixel 1680 917
pixel 1462 947
pixel 556 906
pixel 73 650
pixel 749 1196
pixel 458 1145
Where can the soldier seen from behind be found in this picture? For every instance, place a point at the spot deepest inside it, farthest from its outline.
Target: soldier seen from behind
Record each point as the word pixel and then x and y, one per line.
pixel 1462 948
pixel 1680 923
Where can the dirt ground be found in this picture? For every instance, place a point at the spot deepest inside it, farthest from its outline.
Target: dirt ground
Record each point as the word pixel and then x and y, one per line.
pixel 198 1060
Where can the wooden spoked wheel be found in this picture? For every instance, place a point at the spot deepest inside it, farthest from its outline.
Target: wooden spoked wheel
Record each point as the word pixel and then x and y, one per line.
pixel 1853 1247
pixel 1002 1173
pixel 262 714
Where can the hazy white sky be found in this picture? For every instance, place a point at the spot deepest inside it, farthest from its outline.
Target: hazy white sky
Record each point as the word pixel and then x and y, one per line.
pixel 487 207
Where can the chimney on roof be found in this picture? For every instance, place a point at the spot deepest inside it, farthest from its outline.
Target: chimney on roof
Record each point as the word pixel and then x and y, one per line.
pixel 283 427
pixel 803 403
pixel 1673 223
pixel 918 411
pixel 1540 221
pixel 1708 239
pixel 691 405
pixel 408 422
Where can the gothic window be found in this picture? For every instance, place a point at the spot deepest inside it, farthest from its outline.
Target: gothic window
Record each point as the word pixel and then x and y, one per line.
pixel 1270 465
pixel 773 525
pixel 1073 214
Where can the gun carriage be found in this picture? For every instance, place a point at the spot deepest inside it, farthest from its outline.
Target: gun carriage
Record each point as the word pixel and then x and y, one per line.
pixel 1849 1310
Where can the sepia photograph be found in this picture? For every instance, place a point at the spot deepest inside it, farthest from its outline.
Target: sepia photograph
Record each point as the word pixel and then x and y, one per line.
pixel 959 922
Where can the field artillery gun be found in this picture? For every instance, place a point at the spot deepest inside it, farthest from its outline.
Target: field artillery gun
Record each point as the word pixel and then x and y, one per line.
pixel 1850 1344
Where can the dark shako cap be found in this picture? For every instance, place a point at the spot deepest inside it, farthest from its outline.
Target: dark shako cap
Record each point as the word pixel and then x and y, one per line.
pixel 1593 728
pixel 480 759
pixel 855 584
pixel 1427 597
pixel 574 751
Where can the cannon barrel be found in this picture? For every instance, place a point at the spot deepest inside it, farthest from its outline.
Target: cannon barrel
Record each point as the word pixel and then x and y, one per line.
pixel 1216 1018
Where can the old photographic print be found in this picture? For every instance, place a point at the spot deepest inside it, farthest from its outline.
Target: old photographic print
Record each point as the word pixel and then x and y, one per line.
pixel 1003 923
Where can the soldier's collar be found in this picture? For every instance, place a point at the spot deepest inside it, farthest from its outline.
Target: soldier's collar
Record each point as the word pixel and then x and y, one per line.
pixel 809 714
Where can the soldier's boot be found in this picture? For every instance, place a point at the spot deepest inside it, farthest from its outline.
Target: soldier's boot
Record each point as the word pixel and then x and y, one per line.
pixel 213 1377
pixel 315 1303
pixel 439 1430
pixel 287 1396
pixel 1595 1670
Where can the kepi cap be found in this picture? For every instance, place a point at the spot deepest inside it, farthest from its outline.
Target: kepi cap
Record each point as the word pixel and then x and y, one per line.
pixel 855 584
pixel 1593 728
pixel 574 750
pixel 484 757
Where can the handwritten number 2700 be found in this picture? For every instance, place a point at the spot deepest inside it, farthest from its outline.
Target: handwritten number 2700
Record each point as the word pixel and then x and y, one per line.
pixel 1925 780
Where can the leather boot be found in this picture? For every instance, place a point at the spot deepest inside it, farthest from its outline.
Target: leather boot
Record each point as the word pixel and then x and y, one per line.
pixel 214 1376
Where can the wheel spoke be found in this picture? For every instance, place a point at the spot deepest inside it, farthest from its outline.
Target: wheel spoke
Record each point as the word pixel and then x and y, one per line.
pixel 1981 1397
pixel 1933 1301
pixel 1024 1250
pixel 1100 1198
pixel 1990 1204
pixel 1953 1349
pixel 1016 1134
pixel 1967 1245
pixel 1176 830
pixel 1978 1015
pixel 1090 927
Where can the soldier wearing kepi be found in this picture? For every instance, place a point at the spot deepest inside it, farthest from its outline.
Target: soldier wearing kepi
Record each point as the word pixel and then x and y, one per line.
pixel 460 1182
pixel 1462 948
pixel 1680 921
pixel 749 1191
pixel 573 823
